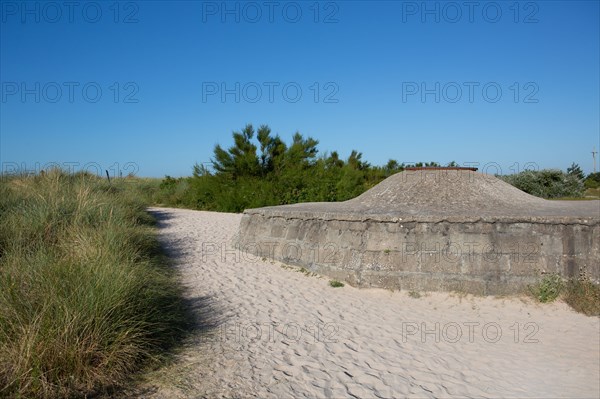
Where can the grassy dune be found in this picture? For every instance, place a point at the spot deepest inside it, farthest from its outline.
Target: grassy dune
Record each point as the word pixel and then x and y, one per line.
pixel 85 296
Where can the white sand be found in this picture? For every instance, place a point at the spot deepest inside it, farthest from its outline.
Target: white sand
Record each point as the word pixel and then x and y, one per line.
pixel 369 342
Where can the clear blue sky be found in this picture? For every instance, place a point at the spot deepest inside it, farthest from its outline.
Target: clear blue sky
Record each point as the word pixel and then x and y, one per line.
pixel 369 73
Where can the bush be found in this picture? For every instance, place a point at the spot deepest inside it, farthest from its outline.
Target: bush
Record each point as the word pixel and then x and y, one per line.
pixel 84 296
pixel 547 183
pixel 592 181
pixel 172 191
pixel 588 183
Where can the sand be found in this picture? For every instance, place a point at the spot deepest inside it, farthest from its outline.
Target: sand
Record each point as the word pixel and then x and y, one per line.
pixel 270 331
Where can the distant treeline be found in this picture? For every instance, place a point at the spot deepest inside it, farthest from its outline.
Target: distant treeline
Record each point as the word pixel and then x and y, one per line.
pixel 260 169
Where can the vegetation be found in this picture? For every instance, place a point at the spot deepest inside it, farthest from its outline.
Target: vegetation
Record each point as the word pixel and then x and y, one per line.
pixel 583 296
pixel 306 272
pixel 579 293
pixel 575 171
pixel 547 183
pixel 260 169
pixel 592 181
pixel 85 297
pixel 335 283
pixel 548 288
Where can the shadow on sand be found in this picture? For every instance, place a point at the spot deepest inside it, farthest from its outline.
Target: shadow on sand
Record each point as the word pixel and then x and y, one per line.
pixel 201 316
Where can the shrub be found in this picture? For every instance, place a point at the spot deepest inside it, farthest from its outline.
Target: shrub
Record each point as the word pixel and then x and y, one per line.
pixel 547 183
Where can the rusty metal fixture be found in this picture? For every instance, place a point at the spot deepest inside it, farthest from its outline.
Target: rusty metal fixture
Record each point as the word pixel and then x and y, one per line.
pixel 440 168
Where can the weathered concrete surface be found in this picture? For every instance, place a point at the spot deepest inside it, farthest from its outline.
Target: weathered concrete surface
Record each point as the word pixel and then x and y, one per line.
pixel 439 231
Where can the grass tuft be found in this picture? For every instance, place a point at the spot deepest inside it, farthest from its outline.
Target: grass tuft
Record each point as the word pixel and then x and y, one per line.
pixel 335 283
pixel 548 288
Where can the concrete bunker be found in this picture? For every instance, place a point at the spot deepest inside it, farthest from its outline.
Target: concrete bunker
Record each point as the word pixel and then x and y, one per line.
pixel 432 229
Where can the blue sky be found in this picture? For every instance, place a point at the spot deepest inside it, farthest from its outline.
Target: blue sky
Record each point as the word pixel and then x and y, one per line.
pixel 150 87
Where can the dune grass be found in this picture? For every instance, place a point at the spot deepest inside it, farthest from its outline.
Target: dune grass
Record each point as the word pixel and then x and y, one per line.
pixel 581 293
pixel 85 296
pixel 583 296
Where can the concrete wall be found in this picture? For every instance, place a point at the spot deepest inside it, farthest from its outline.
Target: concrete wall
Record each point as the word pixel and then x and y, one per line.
pixel 489 258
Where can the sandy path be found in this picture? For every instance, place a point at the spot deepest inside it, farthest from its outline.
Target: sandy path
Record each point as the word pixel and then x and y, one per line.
pixel 278 333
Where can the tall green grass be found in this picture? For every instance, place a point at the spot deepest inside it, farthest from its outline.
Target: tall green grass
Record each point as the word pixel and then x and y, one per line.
pixel 85 297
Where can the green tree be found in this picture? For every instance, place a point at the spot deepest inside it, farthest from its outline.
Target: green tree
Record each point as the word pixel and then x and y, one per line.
pixel 334 161
pixel 355 161
pixel 240 159
pixel 392 166
pixel 575 170
pixel 302 152
pixel 272 151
